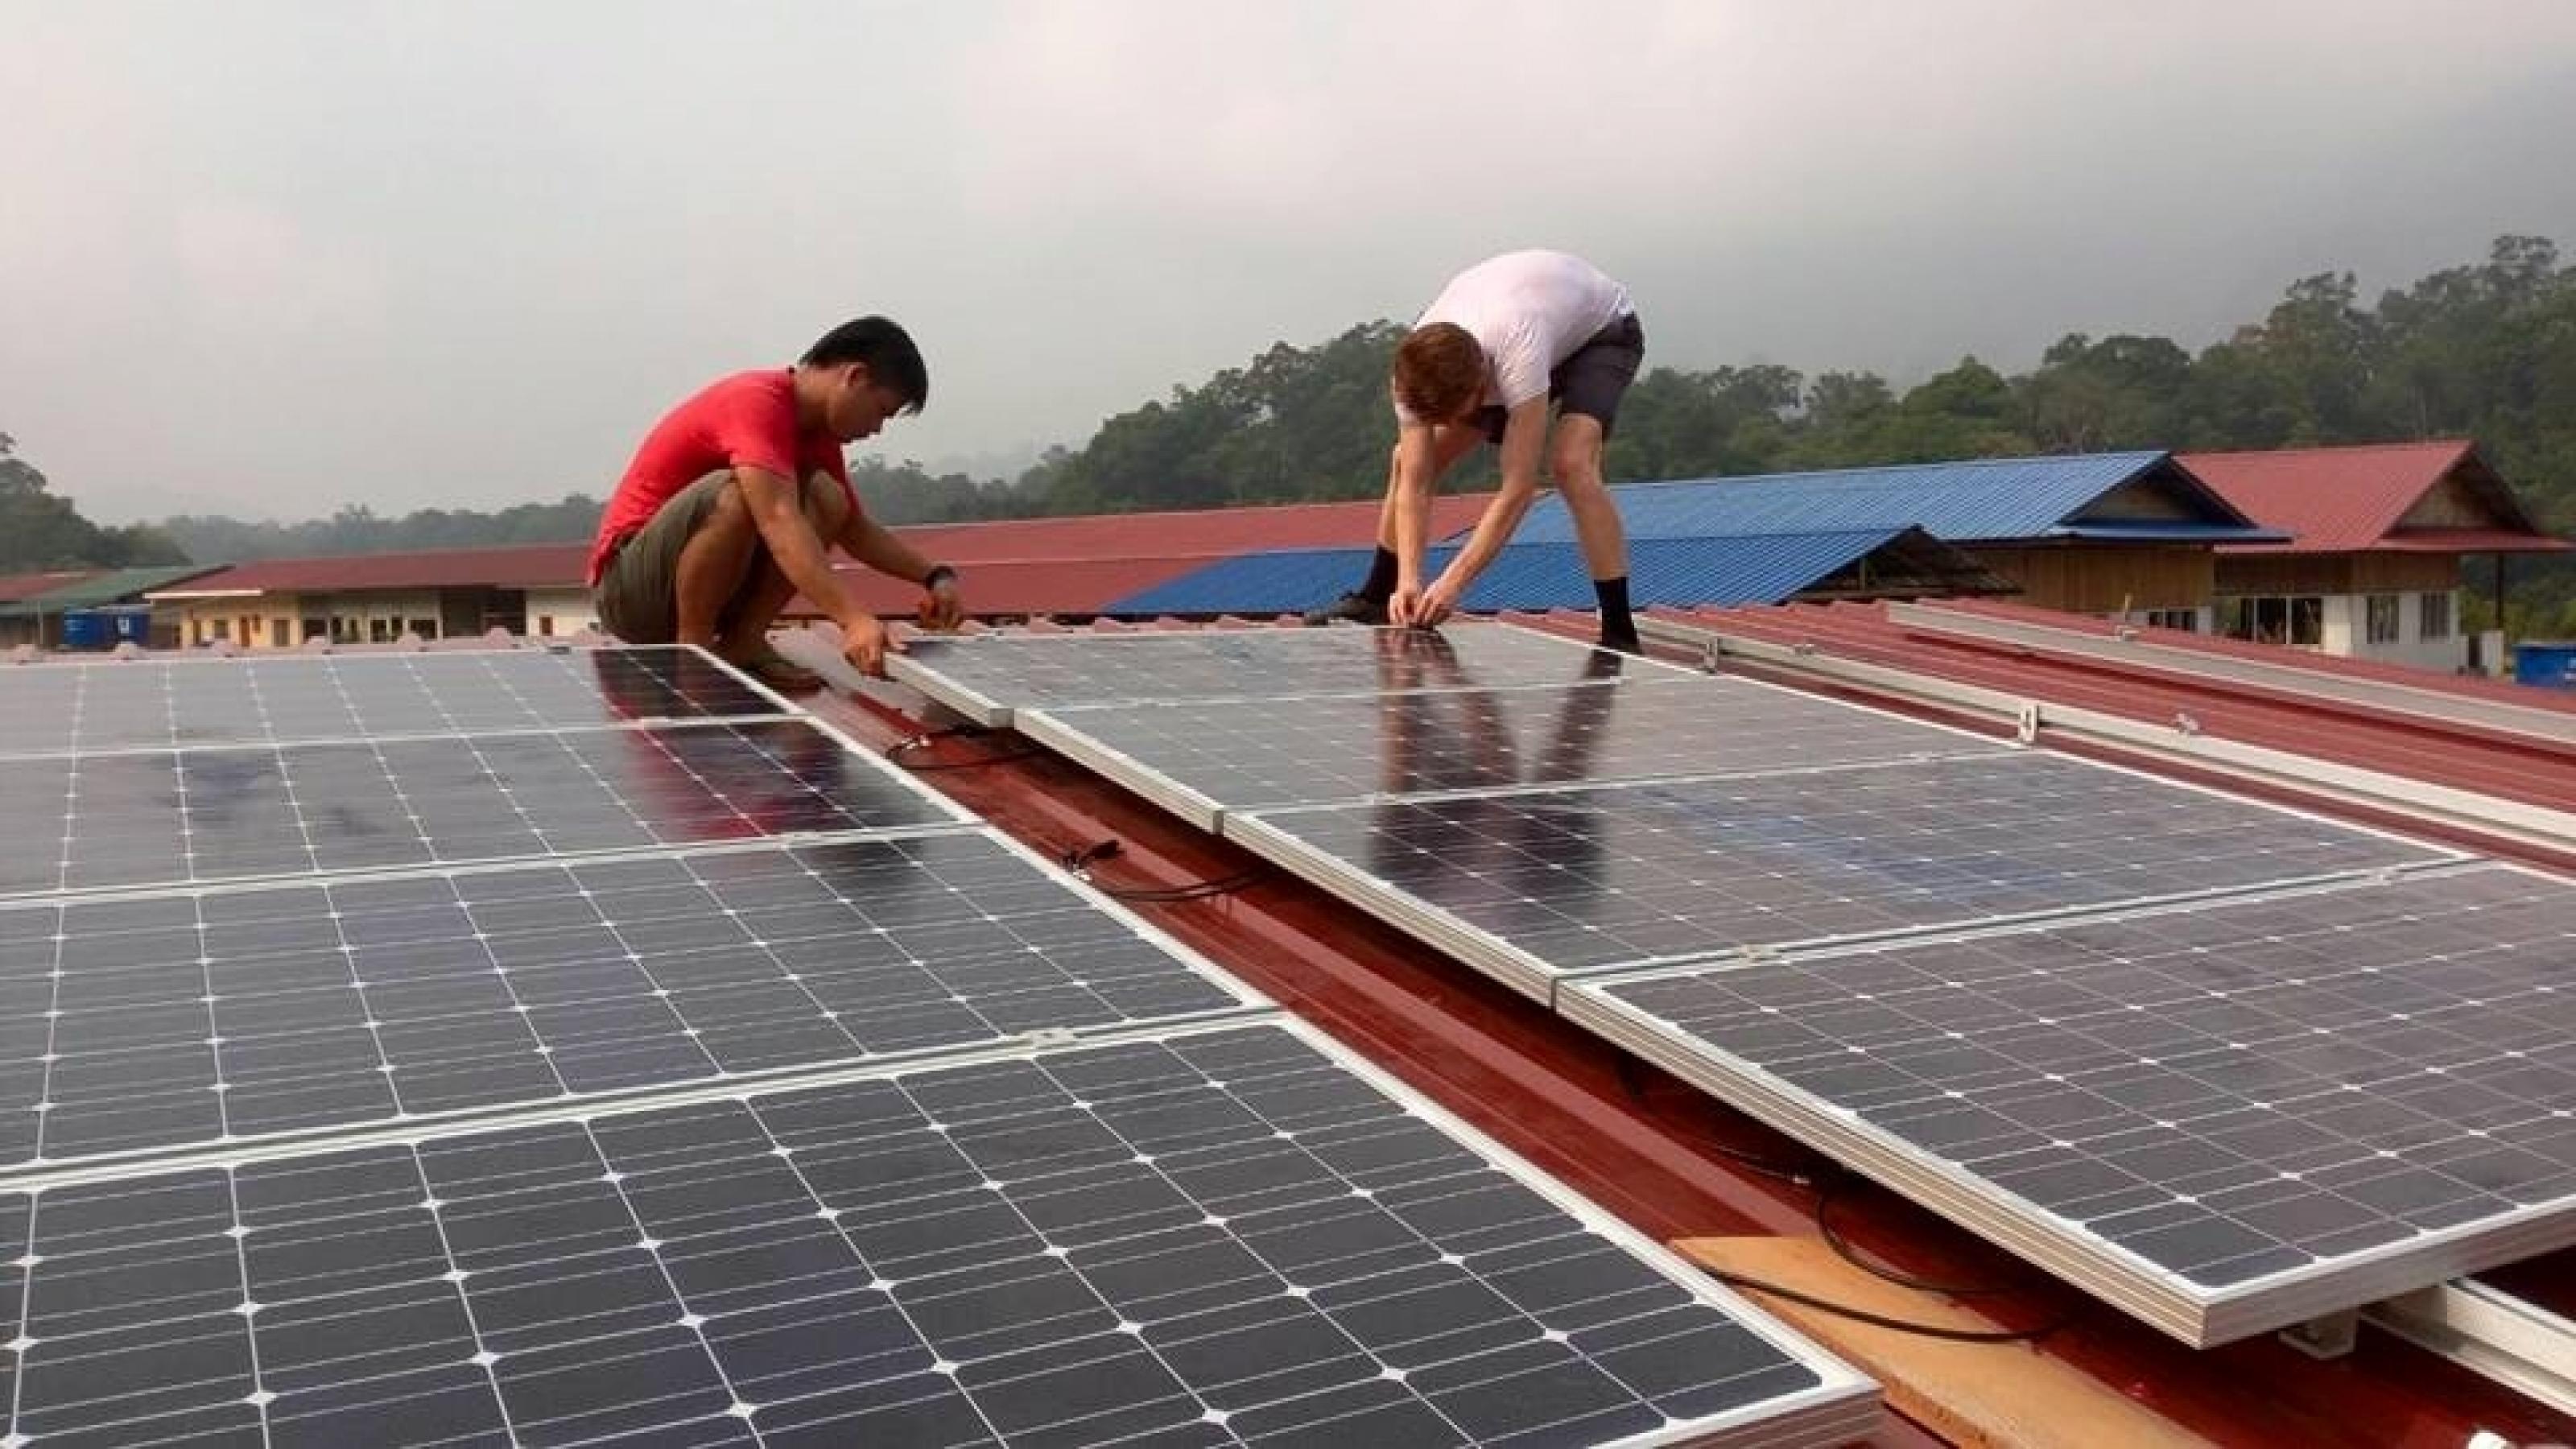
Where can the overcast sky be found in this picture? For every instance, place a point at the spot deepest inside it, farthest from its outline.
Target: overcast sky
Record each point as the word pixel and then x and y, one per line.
pixel 268 258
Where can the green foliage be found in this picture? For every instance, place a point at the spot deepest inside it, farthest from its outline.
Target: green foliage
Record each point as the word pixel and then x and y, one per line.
pixel 40 530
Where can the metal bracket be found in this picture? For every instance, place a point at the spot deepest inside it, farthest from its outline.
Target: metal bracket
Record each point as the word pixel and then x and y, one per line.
pixel 2492 1333
pixel 2329 1337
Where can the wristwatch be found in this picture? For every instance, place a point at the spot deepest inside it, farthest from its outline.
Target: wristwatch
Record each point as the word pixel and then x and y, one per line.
pixel 937 572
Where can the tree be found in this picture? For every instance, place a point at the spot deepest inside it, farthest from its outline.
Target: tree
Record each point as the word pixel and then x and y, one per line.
pixel 40 530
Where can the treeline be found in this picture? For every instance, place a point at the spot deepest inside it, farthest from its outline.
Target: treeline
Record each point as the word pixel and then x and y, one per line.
pixel 41 530
pixel 360 529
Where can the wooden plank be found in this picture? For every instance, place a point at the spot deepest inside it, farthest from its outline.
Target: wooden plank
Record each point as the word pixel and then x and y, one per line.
pixel 1980 1395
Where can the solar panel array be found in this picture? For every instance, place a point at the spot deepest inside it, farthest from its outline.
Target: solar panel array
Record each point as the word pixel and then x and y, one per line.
pixel 1242 755
pixel 988 677
pixel 2228 1065
pixel 548 1049
pixel 168 704
pixel 2218 1108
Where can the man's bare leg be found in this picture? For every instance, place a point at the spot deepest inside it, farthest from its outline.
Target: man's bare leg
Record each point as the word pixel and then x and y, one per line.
pixel 765 590
pixel 1574 458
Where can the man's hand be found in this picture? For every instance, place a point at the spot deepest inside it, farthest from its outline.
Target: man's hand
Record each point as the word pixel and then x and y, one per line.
pixel 942 608
pixel 1437 603
pixel 864 643
pixel 1405 603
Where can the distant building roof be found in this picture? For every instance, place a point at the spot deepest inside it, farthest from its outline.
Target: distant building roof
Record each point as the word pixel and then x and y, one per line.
pixel 1680 572
pixel 2439 497
pixel 1198 534
pixel 14 587
pixel 526 566
pixel 89 591
pixel 2107 496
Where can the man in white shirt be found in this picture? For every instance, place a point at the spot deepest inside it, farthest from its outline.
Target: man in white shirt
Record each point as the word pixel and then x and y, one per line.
pixel 1504 340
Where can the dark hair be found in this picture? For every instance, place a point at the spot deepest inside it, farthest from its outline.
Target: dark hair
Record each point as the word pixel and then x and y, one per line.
pixel 1439 372
pixel 884 347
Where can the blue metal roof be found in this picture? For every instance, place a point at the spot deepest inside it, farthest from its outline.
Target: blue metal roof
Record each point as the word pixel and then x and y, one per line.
pixel 1989 500
pixel 1681 571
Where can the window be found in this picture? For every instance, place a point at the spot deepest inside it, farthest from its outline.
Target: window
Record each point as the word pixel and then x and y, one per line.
pixel 380 631
pixel 223 628
pixel 2379 613
pixel 317 628
pixel 423 628
pixel 2273 619
pixel 2187 620
pixel 545 626
pixel 277 634
pixel 2437 616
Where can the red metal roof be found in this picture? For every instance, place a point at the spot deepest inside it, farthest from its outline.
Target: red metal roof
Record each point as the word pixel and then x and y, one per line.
pixel 527 566
pixel 2345 500
pixel 2463 756
pixel 1199 534
pixel 14 587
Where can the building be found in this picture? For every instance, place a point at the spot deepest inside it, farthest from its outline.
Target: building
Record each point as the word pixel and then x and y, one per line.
pixel 376 598
pixel 2109 533
pixel 2378 537
pixel 35 613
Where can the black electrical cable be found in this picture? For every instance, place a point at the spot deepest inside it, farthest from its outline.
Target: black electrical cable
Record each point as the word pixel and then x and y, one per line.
pixel 1080 859
pixel 896 752
pixel 1828 1194
pixel 1881 1320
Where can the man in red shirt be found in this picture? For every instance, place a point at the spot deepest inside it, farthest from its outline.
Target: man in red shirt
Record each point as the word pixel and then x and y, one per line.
pixel 735 499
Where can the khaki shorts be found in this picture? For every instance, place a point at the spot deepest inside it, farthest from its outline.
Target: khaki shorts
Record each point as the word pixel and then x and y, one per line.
pixel 638 597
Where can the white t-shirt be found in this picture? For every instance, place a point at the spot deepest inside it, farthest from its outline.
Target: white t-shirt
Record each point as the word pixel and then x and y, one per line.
pixel 1529 311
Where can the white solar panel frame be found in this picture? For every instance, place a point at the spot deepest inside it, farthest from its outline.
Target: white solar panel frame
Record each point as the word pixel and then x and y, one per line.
pixel 780 706
pixel 1271 834
pixel 1843 1407
pixel 991 713
pixel 2158 1296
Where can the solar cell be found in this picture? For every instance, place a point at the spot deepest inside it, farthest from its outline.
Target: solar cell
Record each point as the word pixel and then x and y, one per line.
pixel 169 704
pixel 2225 1118
pixel 1205 758
pixel 137 1023
pixel 1532 885
pixel 1232 1237
pixel 189 816
pixel 989 676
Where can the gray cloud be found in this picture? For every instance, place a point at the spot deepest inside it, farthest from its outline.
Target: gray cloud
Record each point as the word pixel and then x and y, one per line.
pixel 270 258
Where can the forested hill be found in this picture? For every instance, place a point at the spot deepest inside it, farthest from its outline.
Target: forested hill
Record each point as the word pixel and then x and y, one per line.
pixel 2486 350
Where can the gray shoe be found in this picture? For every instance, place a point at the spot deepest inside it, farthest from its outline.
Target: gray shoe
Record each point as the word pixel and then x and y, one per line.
pixel 1350 608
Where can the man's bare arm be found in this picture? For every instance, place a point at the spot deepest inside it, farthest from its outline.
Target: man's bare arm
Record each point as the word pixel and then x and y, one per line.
pixel 776 511
pixel 1524 438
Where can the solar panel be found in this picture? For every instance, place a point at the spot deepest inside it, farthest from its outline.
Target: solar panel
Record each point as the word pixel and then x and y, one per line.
pixel 1204 758
pixel 1234 1237
pixel 1533 885
pixel 168 704
pixel 2225 1118
pixel 184 1019
pixel 987 677
pixel 191 816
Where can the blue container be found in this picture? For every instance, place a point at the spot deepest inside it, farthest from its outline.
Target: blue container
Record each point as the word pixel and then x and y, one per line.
pixel 2548 663
pixel 88 629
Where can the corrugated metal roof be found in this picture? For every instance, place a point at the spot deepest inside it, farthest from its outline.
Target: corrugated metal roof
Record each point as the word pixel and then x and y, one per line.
pixel 91 590
pixel 1986 500
pixel 1525 575
pixel 14 587
pixel 1024 588
pixel 2344 500
pixel 526 566
pixel 1202 533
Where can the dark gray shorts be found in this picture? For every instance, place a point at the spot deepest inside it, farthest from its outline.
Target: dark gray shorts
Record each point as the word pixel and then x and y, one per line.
pixel 638 598
pixel 1590 381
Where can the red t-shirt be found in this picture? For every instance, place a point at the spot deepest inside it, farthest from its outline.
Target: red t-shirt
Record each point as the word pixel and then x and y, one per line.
pixel 747 420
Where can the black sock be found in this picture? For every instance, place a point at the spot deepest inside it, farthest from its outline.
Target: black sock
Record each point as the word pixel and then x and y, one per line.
pixel 1618 625
pixel 1381 577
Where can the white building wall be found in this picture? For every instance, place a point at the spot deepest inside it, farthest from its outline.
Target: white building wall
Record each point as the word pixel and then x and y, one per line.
pixel 2410 649
pixel 557 613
